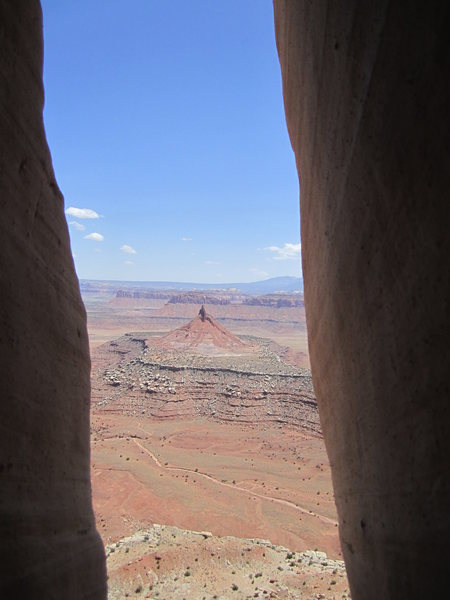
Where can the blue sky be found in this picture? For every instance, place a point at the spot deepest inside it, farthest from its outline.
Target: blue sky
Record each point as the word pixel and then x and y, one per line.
pixel 165 119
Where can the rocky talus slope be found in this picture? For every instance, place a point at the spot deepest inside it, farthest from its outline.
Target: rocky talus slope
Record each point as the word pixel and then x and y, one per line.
pixel 170 563
pixel 134 375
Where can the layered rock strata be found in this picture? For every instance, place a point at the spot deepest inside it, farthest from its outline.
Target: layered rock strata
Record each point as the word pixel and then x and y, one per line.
pixel 132 377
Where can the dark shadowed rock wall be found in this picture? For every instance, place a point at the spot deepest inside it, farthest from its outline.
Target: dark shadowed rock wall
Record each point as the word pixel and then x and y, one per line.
pixel 365 87
pixel 367 105
pixel 49 545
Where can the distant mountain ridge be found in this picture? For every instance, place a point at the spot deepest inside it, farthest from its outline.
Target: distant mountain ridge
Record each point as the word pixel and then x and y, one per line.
pixel 286 284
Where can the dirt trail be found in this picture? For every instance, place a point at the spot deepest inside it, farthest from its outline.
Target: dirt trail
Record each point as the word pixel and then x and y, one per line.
pixel 235 487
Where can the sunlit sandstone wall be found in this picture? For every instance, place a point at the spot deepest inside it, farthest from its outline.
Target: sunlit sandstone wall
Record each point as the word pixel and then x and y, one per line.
pixel 49 546
pixel 367 106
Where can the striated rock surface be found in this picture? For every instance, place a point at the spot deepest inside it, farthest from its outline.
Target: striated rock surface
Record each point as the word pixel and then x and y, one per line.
pixel 276 300
pixel 366 97
pixel 196 297
pixel 132 375
pixel 49 545
pixel 203 335
pixel 143 294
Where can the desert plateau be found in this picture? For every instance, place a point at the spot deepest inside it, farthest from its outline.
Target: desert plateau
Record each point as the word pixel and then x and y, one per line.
pixel 209 472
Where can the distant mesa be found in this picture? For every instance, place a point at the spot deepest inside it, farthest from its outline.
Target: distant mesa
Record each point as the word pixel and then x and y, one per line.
pixel 202 335
pixel 214 297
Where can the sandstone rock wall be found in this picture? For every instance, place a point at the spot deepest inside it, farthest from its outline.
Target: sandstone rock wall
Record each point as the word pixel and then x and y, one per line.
pixel 366 97
pixel 49 545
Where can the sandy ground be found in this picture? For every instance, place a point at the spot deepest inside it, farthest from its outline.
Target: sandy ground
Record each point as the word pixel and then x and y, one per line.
pixel 238 482
pixel 231 480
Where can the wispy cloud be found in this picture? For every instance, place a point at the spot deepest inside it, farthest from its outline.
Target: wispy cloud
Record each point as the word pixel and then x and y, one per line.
pixel 129 262
pixel 78 226
pixel 128 249
pixel 212 262
pixel 286 252
pixel 259 273
pixel 96 237
pixel 82 213
pixel 186 239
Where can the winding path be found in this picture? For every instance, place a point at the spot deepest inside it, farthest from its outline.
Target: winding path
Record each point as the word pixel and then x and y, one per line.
pixel 291 505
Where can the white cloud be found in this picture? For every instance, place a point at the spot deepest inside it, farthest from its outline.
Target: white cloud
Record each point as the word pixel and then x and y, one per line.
pixel 128 262
pixel 186 239
pixel 82 213
pixel 212 262
pixel 97 237
pixel 286 252
pixel 78 226
pixel 128 249
pixel 259 273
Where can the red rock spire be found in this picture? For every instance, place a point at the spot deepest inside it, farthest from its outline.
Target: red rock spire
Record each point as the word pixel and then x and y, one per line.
pixel 202 313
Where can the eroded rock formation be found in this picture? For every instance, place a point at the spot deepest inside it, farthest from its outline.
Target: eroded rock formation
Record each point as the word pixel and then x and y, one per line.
pixel 49 545
pixel 366 97
pixel 134 375
pixel 203 334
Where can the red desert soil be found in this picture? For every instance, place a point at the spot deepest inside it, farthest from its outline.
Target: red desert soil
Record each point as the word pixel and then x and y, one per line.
pixel 242 482
pixel 232 480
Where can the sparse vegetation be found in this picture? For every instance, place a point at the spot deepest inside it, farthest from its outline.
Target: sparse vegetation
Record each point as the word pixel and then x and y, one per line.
pixel 231 458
